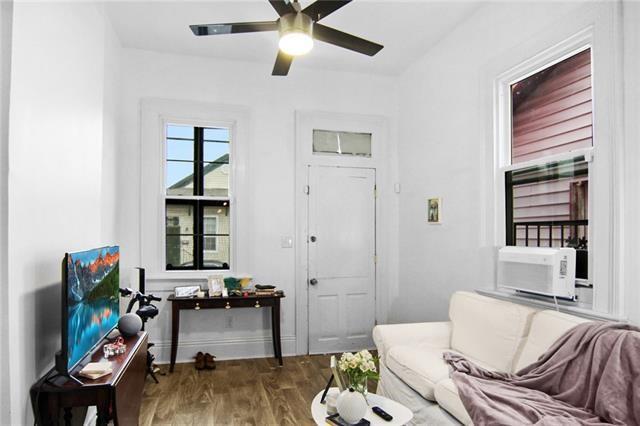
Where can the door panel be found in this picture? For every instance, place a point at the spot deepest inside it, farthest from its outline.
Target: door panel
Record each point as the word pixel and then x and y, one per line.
pixel 341 259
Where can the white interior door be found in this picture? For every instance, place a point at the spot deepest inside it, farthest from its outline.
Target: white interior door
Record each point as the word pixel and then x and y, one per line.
pixel 341 224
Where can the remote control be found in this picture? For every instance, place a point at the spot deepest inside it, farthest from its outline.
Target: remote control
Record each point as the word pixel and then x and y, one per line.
pixel 380 412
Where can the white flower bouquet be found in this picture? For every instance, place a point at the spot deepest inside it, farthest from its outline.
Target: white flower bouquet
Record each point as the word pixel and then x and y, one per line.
pixel 358 367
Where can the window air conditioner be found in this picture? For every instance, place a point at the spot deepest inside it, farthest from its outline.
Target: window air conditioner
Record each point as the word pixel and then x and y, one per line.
pixel 539 270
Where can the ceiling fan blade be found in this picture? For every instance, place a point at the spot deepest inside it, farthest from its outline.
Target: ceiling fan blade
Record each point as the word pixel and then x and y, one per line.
pixel 283 63
pixel 236 27
pixel 347 41
pixel 282 6
pixel 322 8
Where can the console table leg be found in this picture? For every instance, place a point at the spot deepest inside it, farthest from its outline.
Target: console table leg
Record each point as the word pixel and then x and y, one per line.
pixel 67 416
pixel 273 331
pixel 276 312
pixel 175 331
pixel 103 416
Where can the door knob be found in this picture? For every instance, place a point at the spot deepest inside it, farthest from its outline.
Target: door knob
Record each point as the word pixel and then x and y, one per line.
pixel 313 281
pixel 313 238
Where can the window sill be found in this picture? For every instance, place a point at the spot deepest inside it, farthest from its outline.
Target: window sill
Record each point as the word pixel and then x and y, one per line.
pixel 573 308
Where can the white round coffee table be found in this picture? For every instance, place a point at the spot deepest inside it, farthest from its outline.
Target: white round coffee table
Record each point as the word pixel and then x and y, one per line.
pixel 401 414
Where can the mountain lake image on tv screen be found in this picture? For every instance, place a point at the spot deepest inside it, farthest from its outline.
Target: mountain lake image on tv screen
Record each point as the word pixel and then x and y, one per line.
pixel 92 299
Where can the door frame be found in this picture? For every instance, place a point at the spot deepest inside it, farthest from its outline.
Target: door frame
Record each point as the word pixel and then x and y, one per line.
pixel 386 226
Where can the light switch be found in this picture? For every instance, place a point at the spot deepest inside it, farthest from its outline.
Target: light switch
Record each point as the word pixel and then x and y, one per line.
pixel 286 242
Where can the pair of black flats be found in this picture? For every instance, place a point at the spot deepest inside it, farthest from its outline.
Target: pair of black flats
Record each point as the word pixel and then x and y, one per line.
pixel 205 361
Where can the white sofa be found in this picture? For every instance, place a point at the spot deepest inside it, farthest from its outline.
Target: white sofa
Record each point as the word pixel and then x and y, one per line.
pixel 495 334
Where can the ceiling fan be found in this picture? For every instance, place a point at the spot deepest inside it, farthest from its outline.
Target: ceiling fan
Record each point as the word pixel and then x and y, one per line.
pixel 297 27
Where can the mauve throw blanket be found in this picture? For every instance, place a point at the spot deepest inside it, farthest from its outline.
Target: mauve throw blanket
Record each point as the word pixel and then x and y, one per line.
pixel 589 376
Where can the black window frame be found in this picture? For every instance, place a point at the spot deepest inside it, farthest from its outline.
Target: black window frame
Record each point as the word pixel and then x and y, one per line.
pixel 197 204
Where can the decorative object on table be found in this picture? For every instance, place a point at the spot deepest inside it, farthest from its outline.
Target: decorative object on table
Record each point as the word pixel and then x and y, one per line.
pixel 231 283
pixel 359 368
pixel 129 324
pixel 434 210
pixel 215 283
pixel 352 406
pixel 245 281
pixel 95 370
pixel 265 290
pixel 335 419
pixel 332 401
pixel 116 348
pixel 336 373
pixel 187 291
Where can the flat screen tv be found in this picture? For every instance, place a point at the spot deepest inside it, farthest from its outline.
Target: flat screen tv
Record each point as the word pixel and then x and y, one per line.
pixel 90 302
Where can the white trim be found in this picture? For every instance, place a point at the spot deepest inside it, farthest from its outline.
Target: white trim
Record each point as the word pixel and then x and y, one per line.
pixel 224 349
pixel 381 154
pixel 155 114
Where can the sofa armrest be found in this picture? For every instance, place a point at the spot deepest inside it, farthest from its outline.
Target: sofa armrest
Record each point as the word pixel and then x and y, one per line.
pixel 433 334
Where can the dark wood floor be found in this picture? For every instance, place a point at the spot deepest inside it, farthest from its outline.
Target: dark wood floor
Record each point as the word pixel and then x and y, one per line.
pixel 240 392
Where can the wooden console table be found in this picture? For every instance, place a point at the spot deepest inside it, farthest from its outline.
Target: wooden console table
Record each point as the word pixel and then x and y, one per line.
pixel 117 396
pixel 180 303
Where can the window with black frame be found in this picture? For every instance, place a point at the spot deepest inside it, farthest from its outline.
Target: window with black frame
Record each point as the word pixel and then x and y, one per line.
pixel 197 203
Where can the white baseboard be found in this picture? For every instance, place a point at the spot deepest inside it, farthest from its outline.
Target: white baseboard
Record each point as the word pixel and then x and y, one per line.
pixel 239 348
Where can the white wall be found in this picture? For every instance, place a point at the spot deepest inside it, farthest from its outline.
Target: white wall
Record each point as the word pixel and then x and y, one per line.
pixel 6 14
pixel 57 124
pixel 271 103
pixel 445 143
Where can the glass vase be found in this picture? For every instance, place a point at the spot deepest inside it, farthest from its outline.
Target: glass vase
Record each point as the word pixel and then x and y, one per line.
pixel 359 385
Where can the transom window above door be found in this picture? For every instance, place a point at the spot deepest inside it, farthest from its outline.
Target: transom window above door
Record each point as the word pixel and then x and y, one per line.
pixel 197 197
pixel 330 142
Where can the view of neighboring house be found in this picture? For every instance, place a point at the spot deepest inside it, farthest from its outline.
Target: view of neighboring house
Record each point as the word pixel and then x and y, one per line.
pixel 215 219
pixel 552 114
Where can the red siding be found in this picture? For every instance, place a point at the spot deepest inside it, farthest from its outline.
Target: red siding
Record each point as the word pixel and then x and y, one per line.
pixel 552 114
pixel 554 111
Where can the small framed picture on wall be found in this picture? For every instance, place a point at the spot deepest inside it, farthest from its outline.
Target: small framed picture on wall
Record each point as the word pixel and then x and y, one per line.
pixel 434 210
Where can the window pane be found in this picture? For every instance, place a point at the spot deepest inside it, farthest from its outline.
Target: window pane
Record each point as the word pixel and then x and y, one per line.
pixel 216 179
pixel 179 178
pixel 218 258
pixel 217 152
pixel 552 110
pixel 179 131
pixel 179 219
pixel 342 143
pixel 179 251
pixel 216 134
pixel 216 226
pixel 550 207
pixel 210 225
pixel 179 150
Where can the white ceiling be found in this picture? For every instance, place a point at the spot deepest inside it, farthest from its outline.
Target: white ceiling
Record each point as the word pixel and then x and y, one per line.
pixel 407 29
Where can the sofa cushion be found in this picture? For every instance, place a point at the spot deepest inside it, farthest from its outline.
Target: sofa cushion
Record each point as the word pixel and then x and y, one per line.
pixel 487 329
pixel 434 334
pixel 421 367
pixel 546 328
pixel 447 397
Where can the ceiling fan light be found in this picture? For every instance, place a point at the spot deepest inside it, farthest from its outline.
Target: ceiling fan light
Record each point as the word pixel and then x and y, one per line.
pixel 296 43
